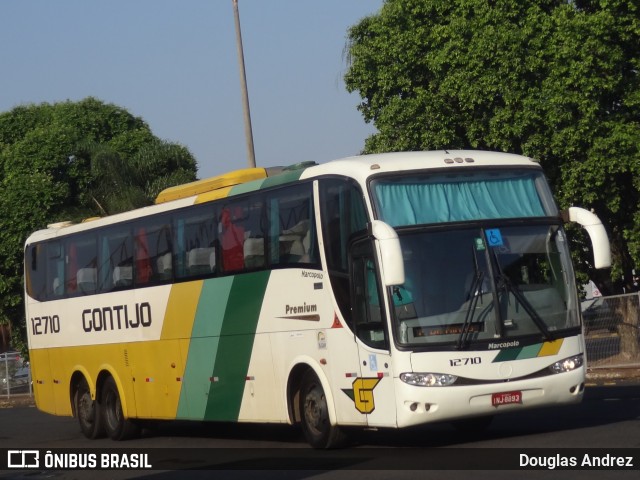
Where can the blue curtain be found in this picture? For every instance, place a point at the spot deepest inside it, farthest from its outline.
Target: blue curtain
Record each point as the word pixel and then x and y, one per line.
pixel 415 202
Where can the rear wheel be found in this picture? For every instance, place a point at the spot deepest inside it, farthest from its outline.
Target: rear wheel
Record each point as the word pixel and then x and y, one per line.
pixel 314 411
pixel 88 412
pixel 116 426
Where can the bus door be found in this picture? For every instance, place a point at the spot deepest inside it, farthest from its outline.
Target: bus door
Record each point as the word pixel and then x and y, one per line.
pixel 373 389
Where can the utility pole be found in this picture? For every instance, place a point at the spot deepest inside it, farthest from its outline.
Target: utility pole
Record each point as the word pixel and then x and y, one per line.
pixel 243 87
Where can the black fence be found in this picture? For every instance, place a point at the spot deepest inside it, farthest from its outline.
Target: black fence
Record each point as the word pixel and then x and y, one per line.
pixel 612 331
pixel 15 375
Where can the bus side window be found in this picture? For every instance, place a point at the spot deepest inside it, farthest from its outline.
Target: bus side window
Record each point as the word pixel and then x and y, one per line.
pixel 71 264
pixel 242 235
pixel 116 259
pixel 154 263
pixel 232 239
pixel 143 262
pixel 55 270
pixel 83 265
pixel 195 233
pixel 254 222
pixel 36 271
pixel 292 236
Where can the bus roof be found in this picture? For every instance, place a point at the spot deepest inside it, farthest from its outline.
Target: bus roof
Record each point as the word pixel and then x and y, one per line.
pixel 362 166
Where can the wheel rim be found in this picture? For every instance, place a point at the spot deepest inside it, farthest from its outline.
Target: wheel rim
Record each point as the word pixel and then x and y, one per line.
pixel 112 410
pixel 315 411
pixel 86 409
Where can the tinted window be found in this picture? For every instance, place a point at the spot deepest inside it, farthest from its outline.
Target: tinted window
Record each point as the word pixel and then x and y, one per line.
pixel 196 245
pixel 116 258
pixel 153 251
pixel 81 264
pixel 242 234
pixel 292 238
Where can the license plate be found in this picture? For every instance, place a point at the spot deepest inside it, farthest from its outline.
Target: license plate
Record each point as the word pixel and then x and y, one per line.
pixel 506 398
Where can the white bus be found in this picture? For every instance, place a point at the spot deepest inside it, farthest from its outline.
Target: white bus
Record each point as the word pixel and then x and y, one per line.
pixel 376 291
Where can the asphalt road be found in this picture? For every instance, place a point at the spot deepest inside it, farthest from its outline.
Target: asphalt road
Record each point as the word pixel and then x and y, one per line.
pixel 606 422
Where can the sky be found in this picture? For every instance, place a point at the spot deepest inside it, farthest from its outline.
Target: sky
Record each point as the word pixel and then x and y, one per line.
pixel 174 63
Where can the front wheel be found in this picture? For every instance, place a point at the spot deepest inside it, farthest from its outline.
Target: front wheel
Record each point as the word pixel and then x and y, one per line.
pixel 116 426
pixel 314 411
pixel 88 412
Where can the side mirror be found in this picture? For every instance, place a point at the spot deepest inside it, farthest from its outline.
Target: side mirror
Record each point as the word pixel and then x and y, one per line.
pixel 391 253
pixel 599 239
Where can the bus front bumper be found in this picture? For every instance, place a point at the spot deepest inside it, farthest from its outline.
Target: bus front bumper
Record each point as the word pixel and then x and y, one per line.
pixel 417 405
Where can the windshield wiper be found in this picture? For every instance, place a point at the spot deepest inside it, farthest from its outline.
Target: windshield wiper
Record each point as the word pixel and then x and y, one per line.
pixel 474 294
pixel 504 283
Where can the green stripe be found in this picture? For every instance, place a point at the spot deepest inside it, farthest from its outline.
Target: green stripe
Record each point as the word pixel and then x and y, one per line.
pixel 507 354
pixel 251 186
pixel 519 353
pixel 236 343
pixel 284 177
pixel 530 352
pixel 280 179
pixel 203 347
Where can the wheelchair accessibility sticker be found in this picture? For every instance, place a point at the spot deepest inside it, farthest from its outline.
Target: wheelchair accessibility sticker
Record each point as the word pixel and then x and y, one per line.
pixel 494 237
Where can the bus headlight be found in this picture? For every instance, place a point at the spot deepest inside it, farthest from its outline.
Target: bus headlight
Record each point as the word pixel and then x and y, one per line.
pixel 567 364
pixel 428 379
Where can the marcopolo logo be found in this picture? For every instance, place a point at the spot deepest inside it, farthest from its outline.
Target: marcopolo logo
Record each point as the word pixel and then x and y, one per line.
pixel 495 346
pixel 23 459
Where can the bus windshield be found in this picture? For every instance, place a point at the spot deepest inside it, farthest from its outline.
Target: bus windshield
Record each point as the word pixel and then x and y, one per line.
pixel 483 276
pixel 484 284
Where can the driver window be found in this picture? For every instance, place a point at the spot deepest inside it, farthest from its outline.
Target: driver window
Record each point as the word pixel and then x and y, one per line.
pixel 367 307
pixel 343 216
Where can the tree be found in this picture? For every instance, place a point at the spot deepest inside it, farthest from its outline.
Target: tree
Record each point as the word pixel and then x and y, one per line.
pixel 69 161
pixel 119 183
pixel 556 80
pixel 24 204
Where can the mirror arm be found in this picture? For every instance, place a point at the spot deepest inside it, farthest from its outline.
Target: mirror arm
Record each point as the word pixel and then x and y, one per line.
pixel 598 235
pixel 392 262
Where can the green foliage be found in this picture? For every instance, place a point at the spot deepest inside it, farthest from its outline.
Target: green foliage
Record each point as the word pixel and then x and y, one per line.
pixel 69 161
pixel 122 180
pixel 551 79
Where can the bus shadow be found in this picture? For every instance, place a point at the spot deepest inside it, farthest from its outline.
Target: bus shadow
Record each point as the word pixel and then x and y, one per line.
pixel 227 431
pixel 601 406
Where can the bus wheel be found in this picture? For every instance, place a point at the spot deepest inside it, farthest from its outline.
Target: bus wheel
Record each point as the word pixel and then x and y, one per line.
pixel 117 427
pixel 314 413
pixel 88 412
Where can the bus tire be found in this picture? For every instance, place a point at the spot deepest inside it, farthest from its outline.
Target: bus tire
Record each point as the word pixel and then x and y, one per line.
pixel 88 411
pixel 116 426
pixel 314 415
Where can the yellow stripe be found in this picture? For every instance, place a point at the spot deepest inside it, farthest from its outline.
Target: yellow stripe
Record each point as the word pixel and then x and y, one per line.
pixel 550 348
pixel 181 310
pixel 211 184
pixel 213 195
